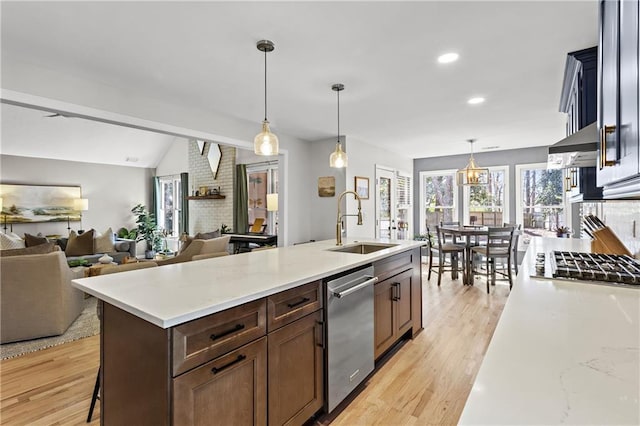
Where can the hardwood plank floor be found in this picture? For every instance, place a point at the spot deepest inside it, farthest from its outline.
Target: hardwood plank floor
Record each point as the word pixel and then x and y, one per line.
pixel 429 379
pixel 426 382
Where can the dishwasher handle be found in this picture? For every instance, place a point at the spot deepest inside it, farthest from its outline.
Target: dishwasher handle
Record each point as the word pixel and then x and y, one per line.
pixel 370 280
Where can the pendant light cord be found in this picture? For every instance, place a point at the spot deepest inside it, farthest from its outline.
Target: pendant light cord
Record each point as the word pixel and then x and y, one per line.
pixel 338 92
pixel 265 85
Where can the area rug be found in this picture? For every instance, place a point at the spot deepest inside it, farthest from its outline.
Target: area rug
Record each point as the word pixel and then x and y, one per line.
pixel 87 324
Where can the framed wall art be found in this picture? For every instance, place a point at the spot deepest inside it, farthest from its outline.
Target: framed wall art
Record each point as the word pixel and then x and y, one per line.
pixel 39 203
pixel 361 186
pixel 327 186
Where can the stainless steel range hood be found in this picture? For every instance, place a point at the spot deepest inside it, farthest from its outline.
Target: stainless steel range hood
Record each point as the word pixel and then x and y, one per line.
pixel 578 150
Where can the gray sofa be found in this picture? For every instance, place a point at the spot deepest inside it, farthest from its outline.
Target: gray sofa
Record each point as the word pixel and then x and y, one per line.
pixel 123 248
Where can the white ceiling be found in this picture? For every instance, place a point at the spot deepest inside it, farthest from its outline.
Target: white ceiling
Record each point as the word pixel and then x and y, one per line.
pixel 34 133
pixel 203 55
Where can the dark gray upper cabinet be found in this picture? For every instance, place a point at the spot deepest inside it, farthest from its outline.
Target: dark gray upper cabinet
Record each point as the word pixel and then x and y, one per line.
pixel 579 101
pixel 618 157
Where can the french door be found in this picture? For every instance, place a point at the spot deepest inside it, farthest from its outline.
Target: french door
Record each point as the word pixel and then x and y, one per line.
pixel 393 204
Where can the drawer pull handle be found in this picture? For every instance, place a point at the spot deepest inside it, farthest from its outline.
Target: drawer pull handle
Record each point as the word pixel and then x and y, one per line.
pixel 293 305
pixel 216 370
pixel 238 327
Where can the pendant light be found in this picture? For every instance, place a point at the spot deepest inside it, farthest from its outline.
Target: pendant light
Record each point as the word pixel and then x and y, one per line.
pixel 338 158
pixel 265 142
pixel 472 174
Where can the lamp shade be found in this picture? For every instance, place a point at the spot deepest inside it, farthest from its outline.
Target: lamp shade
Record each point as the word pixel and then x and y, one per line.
pixel 272 202
pixel 81 204
pixel 0 204
pixel 265 142
pixel 338 158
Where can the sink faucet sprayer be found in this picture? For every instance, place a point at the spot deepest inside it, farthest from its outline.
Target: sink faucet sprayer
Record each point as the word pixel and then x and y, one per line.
pixel 339 221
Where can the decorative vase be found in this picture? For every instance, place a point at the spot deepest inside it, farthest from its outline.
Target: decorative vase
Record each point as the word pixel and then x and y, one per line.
pixel 149 254
pixel 105 259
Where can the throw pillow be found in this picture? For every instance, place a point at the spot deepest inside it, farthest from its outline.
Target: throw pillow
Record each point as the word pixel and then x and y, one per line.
pixel 80 245
pixel 207 235
pixel 39 249
pixel 34 240
pixel 9 242
pixel 62 243
pixel 215 245
pixel 104 242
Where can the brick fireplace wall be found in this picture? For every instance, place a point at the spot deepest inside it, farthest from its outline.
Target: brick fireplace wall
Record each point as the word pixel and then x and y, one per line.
pixel 209 215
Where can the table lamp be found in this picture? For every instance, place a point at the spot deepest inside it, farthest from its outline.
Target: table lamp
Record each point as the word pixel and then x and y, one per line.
pixel 272 206
pixel 82 205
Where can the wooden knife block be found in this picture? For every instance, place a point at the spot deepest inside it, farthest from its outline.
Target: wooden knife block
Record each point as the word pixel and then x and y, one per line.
pixel 605 241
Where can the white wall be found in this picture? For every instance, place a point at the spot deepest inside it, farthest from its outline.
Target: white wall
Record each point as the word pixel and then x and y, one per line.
pixel 294 219
pixel 324 209
pixel 363 159
pixel 175 160
pixel 112 190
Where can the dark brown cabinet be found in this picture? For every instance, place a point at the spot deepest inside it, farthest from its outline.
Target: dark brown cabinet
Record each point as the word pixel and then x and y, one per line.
pixel 296 371
pixel 228 390
pixel 258 363
pixel 392 310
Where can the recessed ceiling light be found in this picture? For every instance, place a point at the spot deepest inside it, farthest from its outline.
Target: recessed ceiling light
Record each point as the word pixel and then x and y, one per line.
pixel 491 147
pixel 476 100
pixel 131 159
pixel 448 58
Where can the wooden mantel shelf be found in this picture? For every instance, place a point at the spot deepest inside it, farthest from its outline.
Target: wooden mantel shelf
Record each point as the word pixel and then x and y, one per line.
pixel 207 197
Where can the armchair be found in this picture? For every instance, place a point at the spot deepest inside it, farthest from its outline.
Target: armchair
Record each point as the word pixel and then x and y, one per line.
pixel 213 248
pixel 36 296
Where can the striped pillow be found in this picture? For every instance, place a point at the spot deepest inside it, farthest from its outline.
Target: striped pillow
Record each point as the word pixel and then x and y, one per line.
pixel 9 242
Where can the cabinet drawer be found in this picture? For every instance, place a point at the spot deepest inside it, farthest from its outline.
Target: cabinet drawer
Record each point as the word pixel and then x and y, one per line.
pixel 290 305
pixel 230 390
pixel 204 339
pixel 393 265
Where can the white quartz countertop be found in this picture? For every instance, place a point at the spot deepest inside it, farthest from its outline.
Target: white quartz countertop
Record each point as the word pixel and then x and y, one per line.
pixel 173 294
pixel 562 353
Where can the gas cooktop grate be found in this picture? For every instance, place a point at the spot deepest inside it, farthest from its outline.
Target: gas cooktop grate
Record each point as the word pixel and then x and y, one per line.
pixel 611 268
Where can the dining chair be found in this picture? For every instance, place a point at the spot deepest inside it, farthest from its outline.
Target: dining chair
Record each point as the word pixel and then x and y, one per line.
pixel 514 243
pixel 445 248
pixel 499 241
pixel 451 238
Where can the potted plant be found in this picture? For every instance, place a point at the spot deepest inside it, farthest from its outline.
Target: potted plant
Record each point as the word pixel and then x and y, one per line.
pixel 562 232
pixel 147 230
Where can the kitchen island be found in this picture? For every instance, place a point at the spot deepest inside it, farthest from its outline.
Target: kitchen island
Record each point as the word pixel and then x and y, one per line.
pixel 562 353
pixel 238 339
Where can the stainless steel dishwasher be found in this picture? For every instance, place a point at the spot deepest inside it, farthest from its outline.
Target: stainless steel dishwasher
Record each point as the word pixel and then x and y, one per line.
pixel 350 345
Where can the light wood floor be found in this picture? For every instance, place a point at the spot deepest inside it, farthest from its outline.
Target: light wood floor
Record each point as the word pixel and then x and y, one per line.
pixel 426 382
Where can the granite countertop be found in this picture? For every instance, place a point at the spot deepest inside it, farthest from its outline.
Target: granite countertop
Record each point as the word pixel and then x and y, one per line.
pixel 173 294
pixel 562 352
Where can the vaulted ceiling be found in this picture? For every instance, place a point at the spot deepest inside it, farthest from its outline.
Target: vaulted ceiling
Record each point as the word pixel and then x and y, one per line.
pixel 397 96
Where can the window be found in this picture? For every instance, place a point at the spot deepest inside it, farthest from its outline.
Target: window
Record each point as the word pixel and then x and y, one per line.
pixel 540 199
pixel 438 198
pixel 488 205
pixel 170 192
pixel 262 179
pixel 404 206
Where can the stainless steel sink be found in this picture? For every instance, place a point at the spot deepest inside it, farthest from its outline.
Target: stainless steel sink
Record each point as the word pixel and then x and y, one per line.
pixel 363 248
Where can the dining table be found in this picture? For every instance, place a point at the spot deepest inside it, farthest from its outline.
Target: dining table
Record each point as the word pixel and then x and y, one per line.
pixel 467 232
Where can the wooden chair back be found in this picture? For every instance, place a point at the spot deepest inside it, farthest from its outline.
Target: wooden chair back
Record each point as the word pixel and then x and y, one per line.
pixel 258 226
pixel 499 241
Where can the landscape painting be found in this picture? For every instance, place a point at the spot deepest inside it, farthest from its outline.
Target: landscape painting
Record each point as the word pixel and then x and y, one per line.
pixel 39 203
